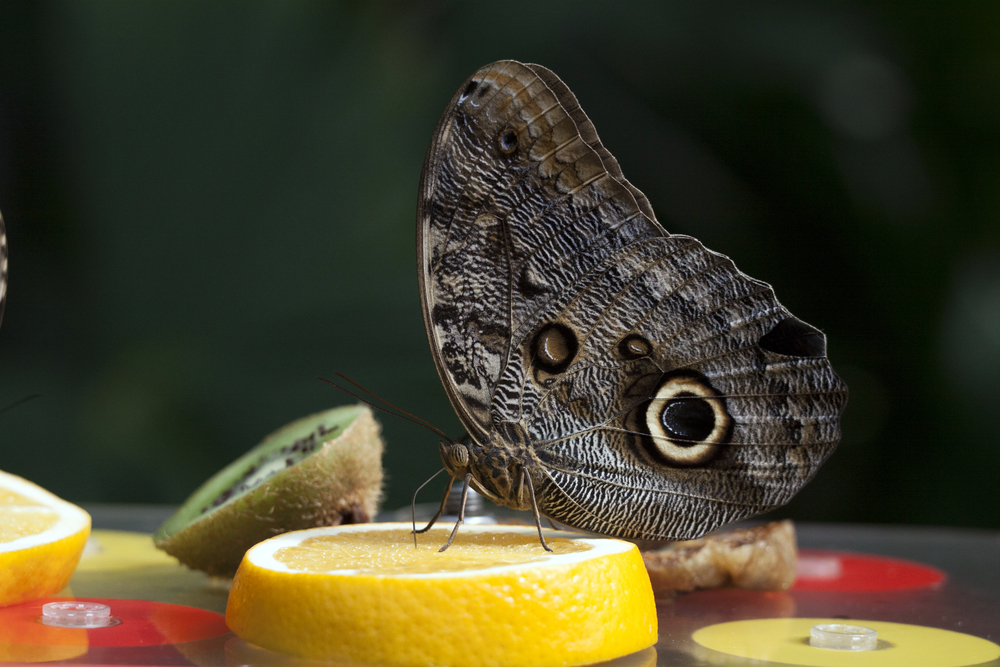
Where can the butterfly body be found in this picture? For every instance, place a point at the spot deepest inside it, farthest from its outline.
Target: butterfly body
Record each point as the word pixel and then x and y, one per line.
pixel 629 380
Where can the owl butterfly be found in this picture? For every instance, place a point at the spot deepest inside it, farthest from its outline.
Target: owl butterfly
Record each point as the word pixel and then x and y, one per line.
pixel 617 378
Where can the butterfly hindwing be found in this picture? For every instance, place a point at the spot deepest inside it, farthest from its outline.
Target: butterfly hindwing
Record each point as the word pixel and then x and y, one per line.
pixel 660 391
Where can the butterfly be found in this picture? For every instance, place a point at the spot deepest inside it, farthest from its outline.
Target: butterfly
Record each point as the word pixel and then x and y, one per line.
pixel 611 376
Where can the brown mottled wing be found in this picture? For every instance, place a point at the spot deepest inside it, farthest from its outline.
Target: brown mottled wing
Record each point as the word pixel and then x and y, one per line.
pixel 3 267
pixel 471 297
pixel 522 235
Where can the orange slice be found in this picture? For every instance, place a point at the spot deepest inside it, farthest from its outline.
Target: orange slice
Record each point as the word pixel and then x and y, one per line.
pixel 41 539
pixel 495 597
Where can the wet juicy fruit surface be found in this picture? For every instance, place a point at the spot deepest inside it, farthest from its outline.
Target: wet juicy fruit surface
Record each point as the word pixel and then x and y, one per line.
pixel 20 516
pixel 8 497
pixel 391 552
pixel 16 523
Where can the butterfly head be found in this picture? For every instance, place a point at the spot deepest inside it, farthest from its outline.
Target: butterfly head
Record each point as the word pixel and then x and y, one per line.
pixel 497 465
pixel 455 457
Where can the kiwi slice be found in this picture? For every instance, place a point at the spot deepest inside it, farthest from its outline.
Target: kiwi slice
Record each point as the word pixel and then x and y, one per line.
pixel 322 470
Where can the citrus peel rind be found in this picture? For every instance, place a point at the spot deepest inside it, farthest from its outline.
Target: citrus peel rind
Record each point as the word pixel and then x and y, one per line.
pixel 590 603
pixel 43 537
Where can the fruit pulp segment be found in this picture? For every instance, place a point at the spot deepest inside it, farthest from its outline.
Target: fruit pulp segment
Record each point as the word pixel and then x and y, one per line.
pixel 8 497
pixel 17 521
pixel 380 552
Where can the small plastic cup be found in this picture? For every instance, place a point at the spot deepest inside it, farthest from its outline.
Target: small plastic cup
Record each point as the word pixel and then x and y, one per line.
pixel 843 637
pixel 71 614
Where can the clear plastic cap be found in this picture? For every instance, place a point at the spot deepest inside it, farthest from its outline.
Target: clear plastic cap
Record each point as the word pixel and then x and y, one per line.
pixel 843 637
pixel 71 614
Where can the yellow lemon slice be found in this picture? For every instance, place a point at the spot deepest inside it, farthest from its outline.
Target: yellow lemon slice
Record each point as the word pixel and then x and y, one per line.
pixel 495 597
pixel 41 539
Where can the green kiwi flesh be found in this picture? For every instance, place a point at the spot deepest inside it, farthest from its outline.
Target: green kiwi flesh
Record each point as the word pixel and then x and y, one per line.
pixel 321 470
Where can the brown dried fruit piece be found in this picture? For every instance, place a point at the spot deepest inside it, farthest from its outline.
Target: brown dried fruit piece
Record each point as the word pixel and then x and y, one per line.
pixel 758 558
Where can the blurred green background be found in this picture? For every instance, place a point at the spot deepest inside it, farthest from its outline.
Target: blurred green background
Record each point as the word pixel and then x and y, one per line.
pixel 210 204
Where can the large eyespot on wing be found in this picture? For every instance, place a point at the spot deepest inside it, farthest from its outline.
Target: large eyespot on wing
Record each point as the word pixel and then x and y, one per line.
pixel 716 428
pixel 685 423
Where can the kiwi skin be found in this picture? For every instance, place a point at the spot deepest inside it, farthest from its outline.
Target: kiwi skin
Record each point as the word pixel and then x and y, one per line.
pixel 339 482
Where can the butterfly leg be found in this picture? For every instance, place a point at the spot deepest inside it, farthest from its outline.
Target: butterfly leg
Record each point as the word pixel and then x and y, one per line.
pixel 534 508
pixel 437 515
pixel 461 511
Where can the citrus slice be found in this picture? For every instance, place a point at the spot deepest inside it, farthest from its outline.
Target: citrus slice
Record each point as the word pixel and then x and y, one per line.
pixel 41 539
pixel 495 597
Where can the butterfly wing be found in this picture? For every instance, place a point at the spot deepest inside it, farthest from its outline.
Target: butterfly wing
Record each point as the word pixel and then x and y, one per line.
pixel 472 299
pixel 663 392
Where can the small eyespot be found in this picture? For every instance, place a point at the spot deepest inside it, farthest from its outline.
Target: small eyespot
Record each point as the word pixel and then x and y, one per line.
pixel 634 346
pixel 507 141
pixel 554 348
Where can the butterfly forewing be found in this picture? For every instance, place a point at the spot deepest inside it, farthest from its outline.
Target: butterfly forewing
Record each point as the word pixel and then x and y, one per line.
pixel 660 391
pixel 487 222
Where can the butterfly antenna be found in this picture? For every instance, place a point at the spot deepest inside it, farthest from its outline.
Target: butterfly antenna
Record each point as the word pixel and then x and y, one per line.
pixel 17 403
pixel 379 398
pixel 405 416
